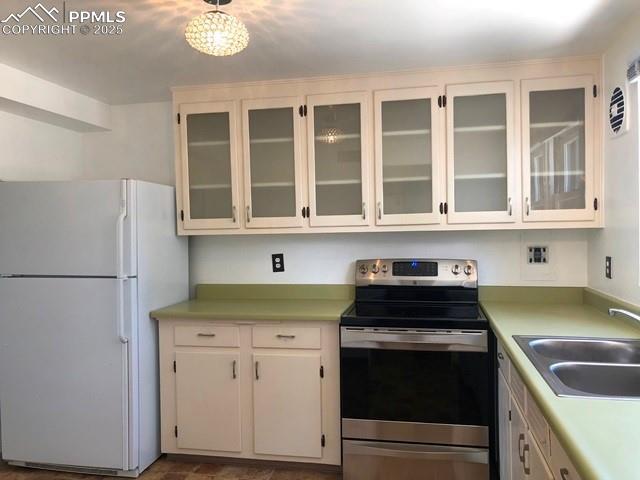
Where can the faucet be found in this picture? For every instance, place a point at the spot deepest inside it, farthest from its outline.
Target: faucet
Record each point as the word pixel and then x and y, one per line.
pixel 626 313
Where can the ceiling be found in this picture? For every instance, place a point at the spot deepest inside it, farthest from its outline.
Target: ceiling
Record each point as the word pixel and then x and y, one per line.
pixel 302 38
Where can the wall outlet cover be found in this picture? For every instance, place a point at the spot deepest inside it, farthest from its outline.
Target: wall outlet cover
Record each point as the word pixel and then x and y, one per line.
pixel 536 258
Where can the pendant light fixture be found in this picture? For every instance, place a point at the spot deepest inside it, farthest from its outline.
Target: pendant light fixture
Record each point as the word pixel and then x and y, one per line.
pixel 216 32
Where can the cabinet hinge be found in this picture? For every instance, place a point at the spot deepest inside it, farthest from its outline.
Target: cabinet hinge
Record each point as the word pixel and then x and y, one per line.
pixel 178 119
pixel 509 415
pixel 175 431
pixel 323 441
pixel 444 101
pixel 174 366
pixel 595 203
pixel 446 208
pixel 321 371
pixel 305 110
pixel 301 111
pixel 440 101
pixel 595 91
pixel 182 215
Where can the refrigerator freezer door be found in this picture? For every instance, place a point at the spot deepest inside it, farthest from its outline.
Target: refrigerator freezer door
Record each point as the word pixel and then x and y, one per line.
pixel 64 372
pixel 65 228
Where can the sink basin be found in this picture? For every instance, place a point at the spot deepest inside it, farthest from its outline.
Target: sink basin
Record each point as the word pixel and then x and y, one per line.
pixel 596 379
pixel 586 367
pixel 588 350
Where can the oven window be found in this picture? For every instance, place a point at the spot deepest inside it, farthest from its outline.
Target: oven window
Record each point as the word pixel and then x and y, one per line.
pixel 415 386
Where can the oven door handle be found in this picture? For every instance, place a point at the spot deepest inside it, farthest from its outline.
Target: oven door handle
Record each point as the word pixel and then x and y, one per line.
pixel 417 452
pixel 467 341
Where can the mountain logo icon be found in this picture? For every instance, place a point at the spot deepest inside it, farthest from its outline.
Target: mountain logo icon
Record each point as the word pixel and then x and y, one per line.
pixel 39 11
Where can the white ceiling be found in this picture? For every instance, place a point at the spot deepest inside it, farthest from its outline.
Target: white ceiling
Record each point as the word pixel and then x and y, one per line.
pixel 301 38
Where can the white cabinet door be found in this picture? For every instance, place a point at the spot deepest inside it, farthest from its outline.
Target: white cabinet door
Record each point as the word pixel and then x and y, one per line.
pixel 408 163
pixel 287 405
pixel 504 427
pixel 338 156
pixel 208 401
pixel 209 145
pixel 518 443
pixel 273 181
pixel 480 153
pixel 558 149
pixel 535 466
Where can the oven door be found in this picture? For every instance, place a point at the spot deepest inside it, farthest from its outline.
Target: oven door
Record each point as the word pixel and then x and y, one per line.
pixel 415 385
pixel 364 460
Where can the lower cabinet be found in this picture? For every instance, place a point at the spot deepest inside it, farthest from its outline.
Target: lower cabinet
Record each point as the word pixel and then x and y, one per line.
pixel 529 450
pixel 287 409
pixel 208 401
pixel 258 391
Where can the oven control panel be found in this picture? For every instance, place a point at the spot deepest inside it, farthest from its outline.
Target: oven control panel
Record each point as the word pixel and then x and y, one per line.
pixel 417 271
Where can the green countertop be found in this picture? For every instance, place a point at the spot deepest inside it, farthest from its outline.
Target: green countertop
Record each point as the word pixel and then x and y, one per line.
pixel 602 437
pixel 263 302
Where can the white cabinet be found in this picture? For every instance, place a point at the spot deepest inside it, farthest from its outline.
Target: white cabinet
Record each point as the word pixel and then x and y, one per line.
pixel 480 153
pixel 272 147
pixel 558 149
pixel 287 409
pixel 252 390
pixel 338 158
pixel 408 164
pixel 535 465
pixel 208 401
pixel 504 428
pixel 209 170
pixel 518 443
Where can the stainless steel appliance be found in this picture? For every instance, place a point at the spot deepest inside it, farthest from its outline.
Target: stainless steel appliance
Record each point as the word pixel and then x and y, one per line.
pixel 417 375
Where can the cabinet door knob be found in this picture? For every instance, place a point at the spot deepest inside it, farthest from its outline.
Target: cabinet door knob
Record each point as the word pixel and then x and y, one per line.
pixel 564 474
pixel 500 356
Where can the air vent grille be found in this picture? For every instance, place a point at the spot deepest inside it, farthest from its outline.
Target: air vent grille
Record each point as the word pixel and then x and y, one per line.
pixel 616 110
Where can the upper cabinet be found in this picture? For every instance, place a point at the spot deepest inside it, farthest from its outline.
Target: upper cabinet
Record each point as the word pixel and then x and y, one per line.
pixel 338 156
pixel 558 149
pixel 407 156
pixel 272 146
pixel 210 168
pixel 480 153
pixel 513 146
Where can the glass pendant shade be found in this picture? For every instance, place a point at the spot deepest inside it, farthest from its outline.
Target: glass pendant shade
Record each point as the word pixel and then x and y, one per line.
pixel 217 33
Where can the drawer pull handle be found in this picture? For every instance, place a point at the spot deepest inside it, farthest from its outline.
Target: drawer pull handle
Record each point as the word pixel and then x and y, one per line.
pixel 525 462
pixel 284 337
pixel 257 371
pixel 206 334
pixel 521 447
pixel 564 474
pixel 233 369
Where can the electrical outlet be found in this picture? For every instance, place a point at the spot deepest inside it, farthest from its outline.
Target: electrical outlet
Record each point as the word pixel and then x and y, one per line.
pixel 538 255
pixel 277 262
pixel 607 267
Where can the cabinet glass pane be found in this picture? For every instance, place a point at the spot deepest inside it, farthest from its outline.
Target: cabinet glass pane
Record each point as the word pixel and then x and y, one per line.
pixel 406 156
pixel 209 165
pixel 273 189
pixel 557 153
pixel 338 159
pixel 480 153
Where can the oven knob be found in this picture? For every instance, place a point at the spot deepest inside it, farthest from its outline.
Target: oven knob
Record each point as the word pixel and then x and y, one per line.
pixel 468 270
pixel 384 268
pixel 363 269
pixel 455 269
pixel 374 268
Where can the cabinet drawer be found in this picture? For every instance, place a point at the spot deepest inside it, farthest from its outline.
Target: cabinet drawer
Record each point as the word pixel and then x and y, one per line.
pixel 286 337
pixel 518 388
pixel 562 467
pixel 206 335
pixel 503 362
pixel 538 425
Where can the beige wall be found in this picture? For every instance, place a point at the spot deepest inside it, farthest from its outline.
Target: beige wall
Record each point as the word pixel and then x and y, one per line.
pixel 619 239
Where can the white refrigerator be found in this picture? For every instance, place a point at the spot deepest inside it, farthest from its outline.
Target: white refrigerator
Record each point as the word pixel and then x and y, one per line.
pixel 81 266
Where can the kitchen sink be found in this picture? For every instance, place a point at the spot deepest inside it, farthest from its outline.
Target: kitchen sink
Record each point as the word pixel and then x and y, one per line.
pixel 586 367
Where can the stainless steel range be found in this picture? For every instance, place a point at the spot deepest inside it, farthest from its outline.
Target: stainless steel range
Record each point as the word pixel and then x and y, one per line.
pixel 417 375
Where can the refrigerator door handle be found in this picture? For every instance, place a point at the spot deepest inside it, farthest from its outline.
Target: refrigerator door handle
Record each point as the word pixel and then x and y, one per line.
pixel 121 308
pixel 120 230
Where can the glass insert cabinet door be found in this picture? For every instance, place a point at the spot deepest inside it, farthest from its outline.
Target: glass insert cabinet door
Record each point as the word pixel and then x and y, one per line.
pixel 272 162
pixel 557 120
pixel 480 153
pixel 209 166
pixel 407 130
pixel 338 156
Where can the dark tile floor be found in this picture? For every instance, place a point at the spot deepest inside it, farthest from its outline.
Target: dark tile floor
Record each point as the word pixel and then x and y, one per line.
pixel 165 469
